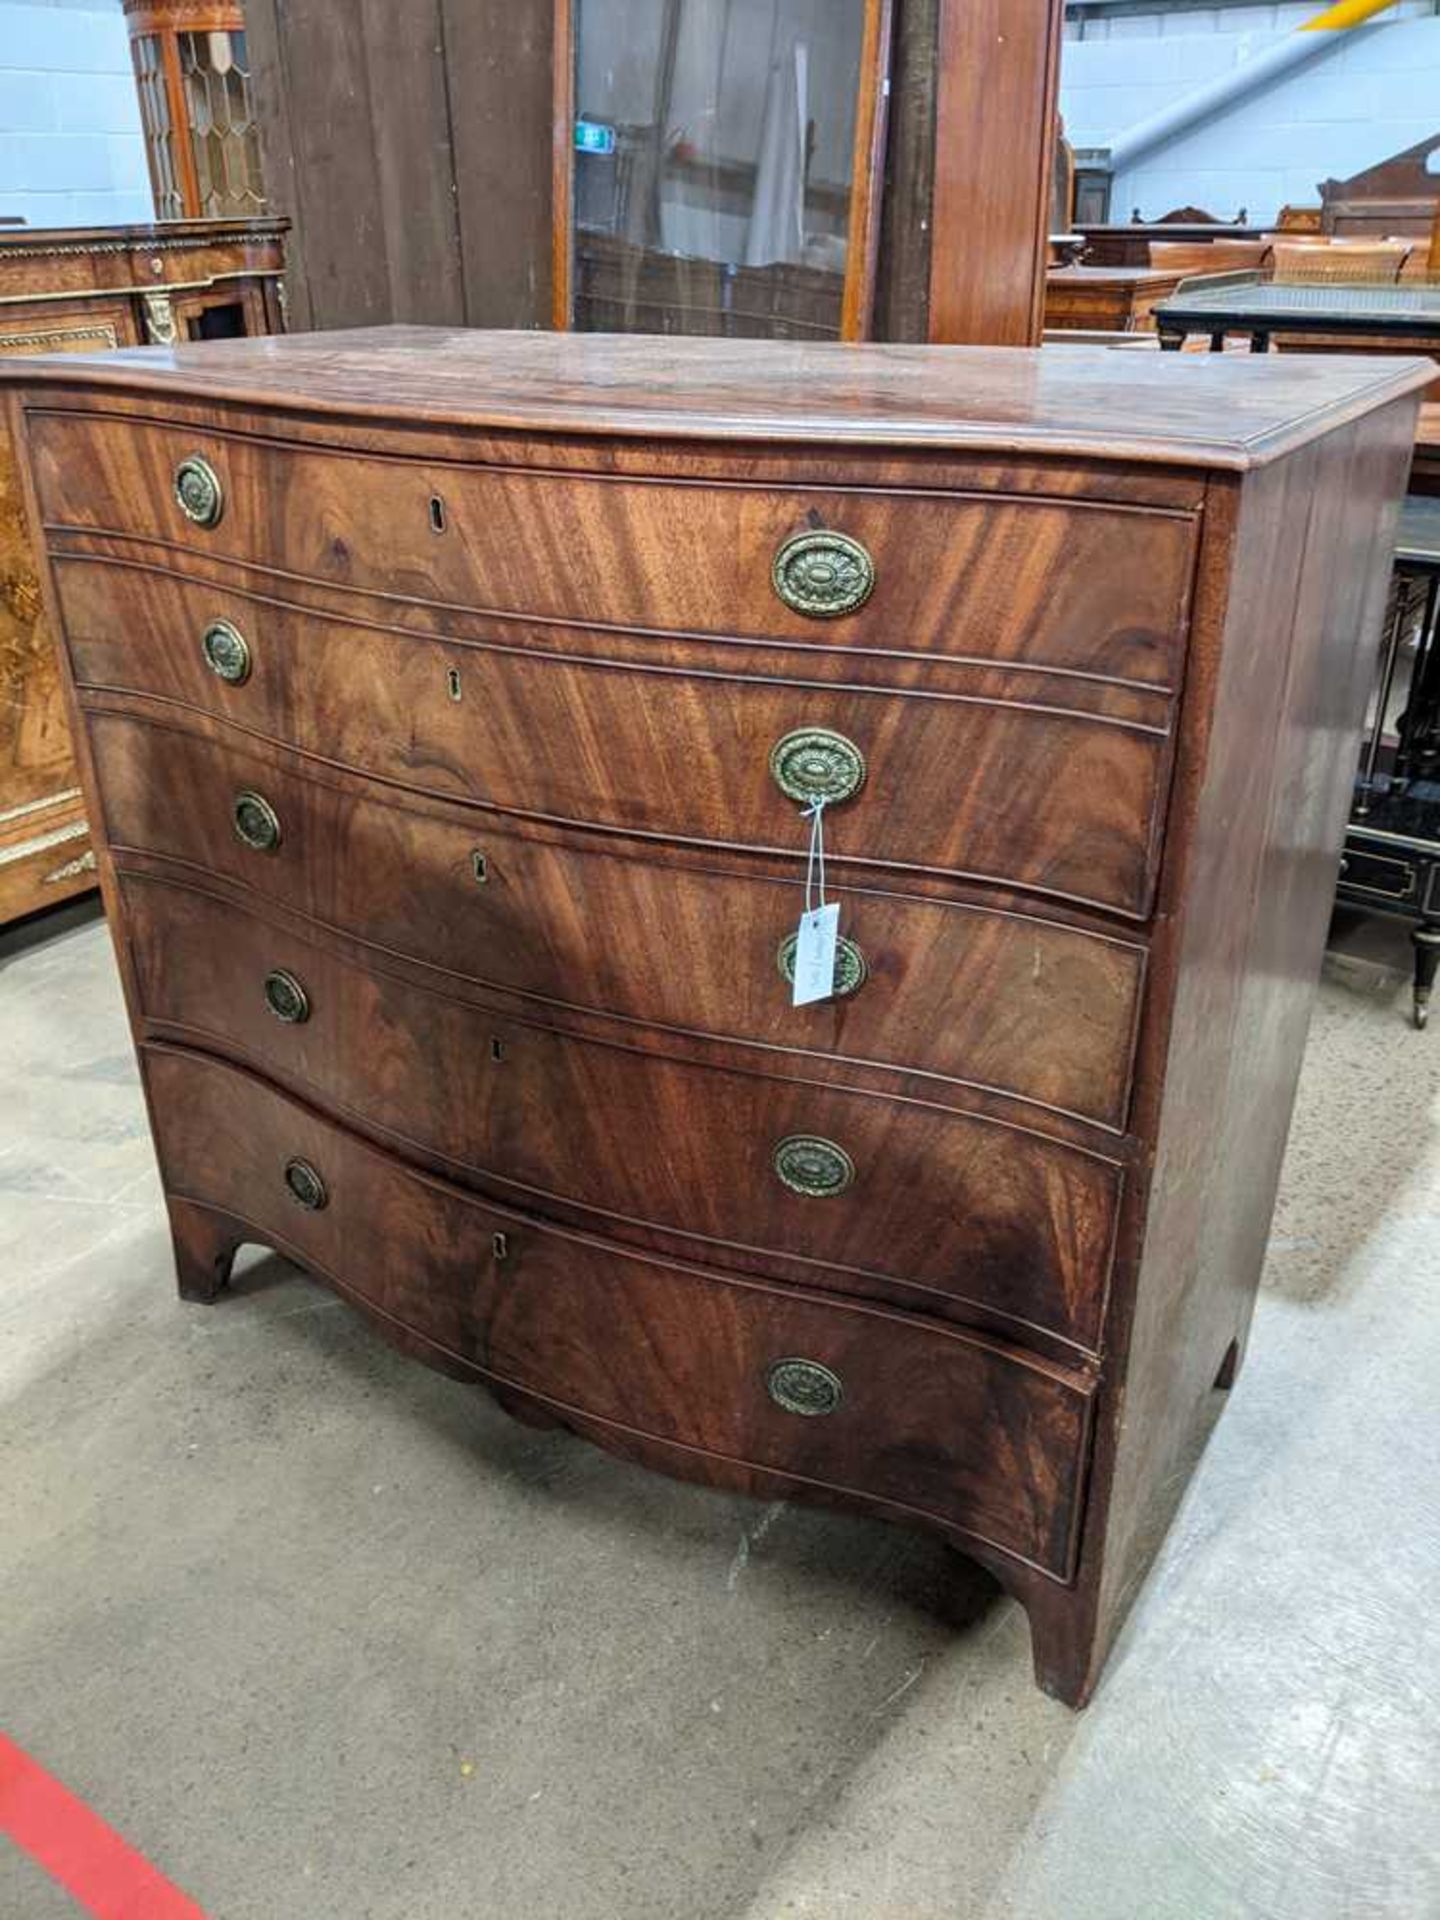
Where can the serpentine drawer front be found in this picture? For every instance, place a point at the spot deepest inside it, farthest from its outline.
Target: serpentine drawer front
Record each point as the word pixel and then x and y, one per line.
pixel 906 1198
pixel 925 777
pixel 458 712
pixel 1105 593
pixel 1055 1026
pixel 925 1417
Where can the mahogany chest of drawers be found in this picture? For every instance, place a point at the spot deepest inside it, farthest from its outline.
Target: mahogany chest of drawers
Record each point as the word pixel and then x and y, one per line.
pixel 450 704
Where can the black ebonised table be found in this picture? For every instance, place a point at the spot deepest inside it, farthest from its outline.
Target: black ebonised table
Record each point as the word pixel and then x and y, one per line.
pixel 1392 844
pixel 1221 304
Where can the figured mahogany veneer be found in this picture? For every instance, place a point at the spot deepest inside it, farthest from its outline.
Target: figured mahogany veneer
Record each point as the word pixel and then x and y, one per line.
pixel 1011 1003
pixel 1088 589
pixel 949 1211
pixel 933 1420
pixel 449 869
pixel 541 732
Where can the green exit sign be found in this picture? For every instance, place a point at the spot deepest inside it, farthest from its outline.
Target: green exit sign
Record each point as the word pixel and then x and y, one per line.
pixel 592 137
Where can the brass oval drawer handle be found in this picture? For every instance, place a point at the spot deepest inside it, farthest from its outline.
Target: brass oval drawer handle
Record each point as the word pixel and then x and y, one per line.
pixel 305 1186
pixel 227 652
pixel 286 998
pixel 823 574
pixel 851 967
pixel 805 1387
pixel 812 763
pixel 256 821
pixel 817 1168
pixel 199 492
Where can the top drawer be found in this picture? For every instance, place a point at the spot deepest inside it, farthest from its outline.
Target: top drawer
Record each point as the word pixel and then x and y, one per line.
pixel 1064 585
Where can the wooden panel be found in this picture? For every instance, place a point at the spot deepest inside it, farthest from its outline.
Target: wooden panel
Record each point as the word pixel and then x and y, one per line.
pixel 1025 1226
pixel 999 72
pixel 902 292
pixel 570 925
pixel 406 58
pixel 1081 589
pixel 354 126
pixel 1260 809
pixel 973 1436
pixel 497 76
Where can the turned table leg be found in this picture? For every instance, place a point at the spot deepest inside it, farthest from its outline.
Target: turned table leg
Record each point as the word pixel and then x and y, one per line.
pixel 1426 940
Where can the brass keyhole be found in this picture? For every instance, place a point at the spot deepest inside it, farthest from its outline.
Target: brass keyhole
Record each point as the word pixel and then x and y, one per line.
pixel 452 683
pixel 437 514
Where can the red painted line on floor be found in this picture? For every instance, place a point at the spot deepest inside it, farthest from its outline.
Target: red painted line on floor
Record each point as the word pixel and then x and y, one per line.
pixel 74 1846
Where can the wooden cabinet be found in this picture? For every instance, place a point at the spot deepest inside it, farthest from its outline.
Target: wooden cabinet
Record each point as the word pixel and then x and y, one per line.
pixel 452 703
pixel 76 290
pixel 918 136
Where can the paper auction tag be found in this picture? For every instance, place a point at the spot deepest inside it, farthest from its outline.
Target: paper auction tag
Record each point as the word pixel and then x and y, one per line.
pixel 815 946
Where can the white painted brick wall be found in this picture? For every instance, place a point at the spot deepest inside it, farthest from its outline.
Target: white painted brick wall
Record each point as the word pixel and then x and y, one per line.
pixel 1371 92
pixel 71 150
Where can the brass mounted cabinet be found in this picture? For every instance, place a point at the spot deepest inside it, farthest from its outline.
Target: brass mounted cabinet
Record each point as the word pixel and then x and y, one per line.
pixel 77 290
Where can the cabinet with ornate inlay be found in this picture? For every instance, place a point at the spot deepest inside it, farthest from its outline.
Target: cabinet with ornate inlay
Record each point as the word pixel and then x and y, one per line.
pixel 78 290
pixel 458 707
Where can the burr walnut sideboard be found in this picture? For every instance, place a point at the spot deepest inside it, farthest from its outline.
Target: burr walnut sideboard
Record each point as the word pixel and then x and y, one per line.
pixel 71 290
pixel 450 702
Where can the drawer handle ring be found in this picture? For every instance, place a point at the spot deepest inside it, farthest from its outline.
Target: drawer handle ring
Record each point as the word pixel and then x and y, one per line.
pixel 286 998
pixel 227 652
pixel 816 1168
pixel 823 574
pixel 198 491
pixel 804 1387
pixel 813 763
pixel 256 821
pixel 305 1186
pixel 851 967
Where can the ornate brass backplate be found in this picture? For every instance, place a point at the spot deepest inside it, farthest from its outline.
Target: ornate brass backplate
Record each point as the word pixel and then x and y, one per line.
pixel 805 1387
pixel 823 574
pixel 256 821
pixel 226 651
pixel 305 1186
pixel 198 490
pixel 812 763
pixel 817 1168
pixel 851 970
pixel 286 998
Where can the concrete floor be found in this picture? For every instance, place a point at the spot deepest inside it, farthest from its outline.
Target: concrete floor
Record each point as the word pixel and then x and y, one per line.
pixel 324 1634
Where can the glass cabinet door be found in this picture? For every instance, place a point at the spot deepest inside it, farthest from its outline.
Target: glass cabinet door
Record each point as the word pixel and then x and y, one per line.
pixel 715 165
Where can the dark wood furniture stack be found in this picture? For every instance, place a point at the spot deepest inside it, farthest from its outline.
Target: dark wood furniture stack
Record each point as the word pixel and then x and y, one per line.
pixel 74 290
pixel 1398 196
pixel 451 703
pixel 1107 299
pixel 1128 245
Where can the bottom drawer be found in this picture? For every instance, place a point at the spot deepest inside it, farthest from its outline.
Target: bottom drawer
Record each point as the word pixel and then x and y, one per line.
pixel 899 1412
